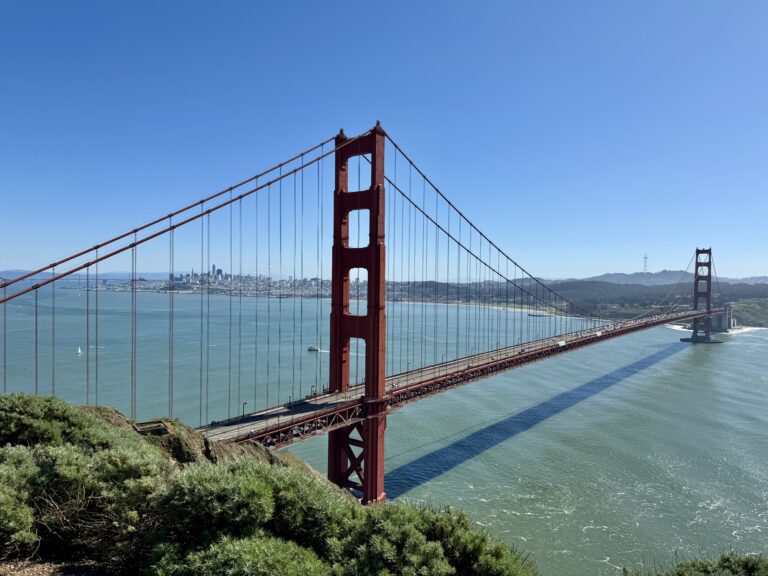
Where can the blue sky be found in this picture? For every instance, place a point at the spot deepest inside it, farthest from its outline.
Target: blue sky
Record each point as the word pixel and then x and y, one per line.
pixel 578 135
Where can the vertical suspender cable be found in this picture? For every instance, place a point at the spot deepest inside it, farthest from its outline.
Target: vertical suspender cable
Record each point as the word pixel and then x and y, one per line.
pixel 53 333
pixel 96 334
pixel 506 303
pixel 414 331
pixel 395 245
pixel 447 281
pixel 293 299
pixel 88 335
pixel 202 309
pixel 488 301
pixel 209 277
pixel 37 348
pixel 468 308
pixel 458 295
pixel 256 306
pixel 389 287
pixel 410 248
pixel 269 288
pixel 280 293
pixel 424 268
pixel 133 329
pixel 318 301
pixel 5 341
pixel 435 357
pixel 171 286
pixel 303 290
pixel 322 238
pixel 240 306
pixel 478 302
pixel 229 298
pixel 405 307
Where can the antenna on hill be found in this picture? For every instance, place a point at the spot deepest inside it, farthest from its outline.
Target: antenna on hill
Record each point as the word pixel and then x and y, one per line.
pixel 645 263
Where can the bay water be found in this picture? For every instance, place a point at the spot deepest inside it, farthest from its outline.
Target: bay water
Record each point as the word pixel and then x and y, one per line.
pixel 636 452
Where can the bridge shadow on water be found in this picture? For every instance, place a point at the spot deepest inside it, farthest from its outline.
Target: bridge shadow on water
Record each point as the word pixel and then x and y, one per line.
pixel 431 465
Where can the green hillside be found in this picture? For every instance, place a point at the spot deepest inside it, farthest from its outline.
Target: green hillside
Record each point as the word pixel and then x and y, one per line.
pixel 82 493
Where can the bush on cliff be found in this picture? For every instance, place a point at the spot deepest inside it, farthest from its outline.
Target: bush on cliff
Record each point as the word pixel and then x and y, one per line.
pixel 73 486
pixel 205 501
pixel 730 564
pixel 257 555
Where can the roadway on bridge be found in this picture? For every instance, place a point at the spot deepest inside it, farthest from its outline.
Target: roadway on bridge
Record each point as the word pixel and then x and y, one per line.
pixel 404 387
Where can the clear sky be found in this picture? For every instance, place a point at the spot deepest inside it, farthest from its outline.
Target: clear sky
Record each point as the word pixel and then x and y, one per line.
pixel 578 135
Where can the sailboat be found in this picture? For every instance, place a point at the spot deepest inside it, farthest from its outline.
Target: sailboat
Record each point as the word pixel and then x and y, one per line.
pixel 79 351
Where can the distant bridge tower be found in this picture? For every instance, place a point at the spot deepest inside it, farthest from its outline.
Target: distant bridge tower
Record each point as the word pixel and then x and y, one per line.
pixel 356 452
pixel 702 295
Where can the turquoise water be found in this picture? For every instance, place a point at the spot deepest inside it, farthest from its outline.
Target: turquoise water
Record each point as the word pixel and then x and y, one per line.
pixel 634 452
pixel 220 352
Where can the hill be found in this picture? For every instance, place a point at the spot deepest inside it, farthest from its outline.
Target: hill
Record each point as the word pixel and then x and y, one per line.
pixel 83 487
pixel 750 301
pixel 644 278
pixel 665 277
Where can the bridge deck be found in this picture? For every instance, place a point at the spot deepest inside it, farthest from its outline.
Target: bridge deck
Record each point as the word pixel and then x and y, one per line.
pixel 289 423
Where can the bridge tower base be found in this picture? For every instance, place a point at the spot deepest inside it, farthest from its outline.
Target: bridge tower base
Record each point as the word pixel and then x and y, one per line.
pixel 356 452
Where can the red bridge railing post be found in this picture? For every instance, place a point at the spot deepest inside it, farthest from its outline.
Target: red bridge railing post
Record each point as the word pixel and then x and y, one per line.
pixel 356 453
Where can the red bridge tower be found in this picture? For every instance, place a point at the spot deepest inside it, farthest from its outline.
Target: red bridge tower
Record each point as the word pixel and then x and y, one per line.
pixel 702 295
pixel 356 453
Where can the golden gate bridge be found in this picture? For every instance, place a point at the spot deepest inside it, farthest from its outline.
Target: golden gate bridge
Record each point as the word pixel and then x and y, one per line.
pixel 418 300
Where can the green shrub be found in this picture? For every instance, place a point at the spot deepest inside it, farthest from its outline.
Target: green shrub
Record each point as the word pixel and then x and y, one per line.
pixel 307 510
pixel 255 556
pixel 74 486
pixel 388 540
pixel 205 501
pixel 85 484
pixel 29 420
pixel 472 552
pixel 17 467
pixel 16 522
pixel 727 565
pixel 93 505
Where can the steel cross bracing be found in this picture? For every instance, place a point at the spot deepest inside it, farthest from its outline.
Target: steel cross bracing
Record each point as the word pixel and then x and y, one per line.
pixel 290 423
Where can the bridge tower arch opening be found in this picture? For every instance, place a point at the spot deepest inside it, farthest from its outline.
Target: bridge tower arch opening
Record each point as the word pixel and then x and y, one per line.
pixel 356 452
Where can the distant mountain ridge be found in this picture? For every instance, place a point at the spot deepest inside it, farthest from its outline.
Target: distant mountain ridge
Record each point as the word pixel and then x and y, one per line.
pixel 644 278
pixel 638 278
pixel 666 277
pixel 11 274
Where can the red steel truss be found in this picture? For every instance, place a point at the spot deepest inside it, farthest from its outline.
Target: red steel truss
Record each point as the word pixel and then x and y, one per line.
pixel 348 415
